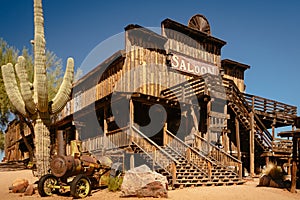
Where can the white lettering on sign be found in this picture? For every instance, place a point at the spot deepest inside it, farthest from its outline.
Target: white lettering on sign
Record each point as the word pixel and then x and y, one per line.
pixel 192 66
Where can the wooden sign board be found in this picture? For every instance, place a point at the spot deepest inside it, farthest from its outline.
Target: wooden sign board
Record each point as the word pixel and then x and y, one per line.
pixel 192 66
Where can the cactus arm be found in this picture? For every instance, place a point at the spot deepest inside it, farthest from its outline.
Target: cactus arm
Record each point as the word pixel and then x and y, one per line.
pixel 25 85
pixel 11 88
pixel 40 82
pixel 64 92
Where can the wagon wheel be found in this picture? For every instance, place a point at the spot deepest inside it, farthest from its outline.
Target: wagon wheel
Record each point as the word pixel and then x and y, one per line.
pixel 80 186
pixel 200 23
pixel 46 185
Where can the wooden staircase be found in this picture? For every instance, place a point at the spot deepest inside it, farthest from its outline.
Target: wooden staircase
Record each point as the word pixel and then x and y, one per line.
pixel 247 116
pixel 183 165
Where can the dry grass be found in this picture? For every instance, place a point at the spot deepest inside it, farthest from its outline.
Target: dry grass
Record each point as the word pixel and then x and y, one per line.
pixel 274 171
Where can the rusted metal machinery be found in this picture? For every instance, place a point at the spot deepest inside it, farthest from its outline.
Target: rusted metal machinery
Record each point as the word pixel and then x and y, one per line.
pixel 84 168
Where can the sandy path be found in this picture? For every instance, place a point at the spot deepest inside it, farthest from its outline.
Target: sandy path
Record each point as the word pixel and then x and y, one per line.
pixel 248 191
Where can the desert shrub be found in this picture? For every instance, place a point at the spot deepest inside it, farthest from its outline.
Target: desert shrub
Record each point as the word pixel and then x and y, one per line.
pixel 114 183
pixel 274 171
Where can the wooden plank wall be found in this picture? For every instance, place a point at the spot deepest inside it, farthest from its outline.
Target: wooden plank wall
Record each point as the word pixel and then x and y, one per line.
pixel 199 50
pixel 144 69
pixel 12 141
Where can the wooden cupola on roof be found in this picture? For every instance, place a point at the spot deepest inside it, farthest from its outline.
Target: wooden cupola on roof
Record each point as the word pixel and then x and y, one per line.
pixel 235 71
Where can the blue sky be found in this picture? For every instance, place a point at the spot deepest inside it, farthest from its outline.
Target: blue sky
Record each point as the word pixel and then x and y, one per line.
pixel 263 34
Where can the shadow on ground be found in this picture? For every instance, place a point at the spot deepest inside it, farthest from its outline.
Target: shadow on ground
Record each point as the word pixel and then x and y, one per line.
pixel 12 166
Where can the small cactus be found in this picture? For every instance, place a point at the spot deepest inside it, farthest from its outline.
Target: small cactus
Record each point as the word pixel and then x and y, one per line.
pixel 31 99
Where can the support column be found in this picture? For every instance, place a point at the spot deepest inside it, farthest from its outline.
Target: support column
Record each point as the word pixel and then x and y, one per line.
pixel 131 113
pixel 238 145
pixel 208 120
pixel 273 128
pixel 289 166
pixel 132 161
pixel 267 160
pixel 237 132
pixel 105 129
pixel 131 119
pixel 165 135
pixel 294 164
pixel 77 133
pixel 251 141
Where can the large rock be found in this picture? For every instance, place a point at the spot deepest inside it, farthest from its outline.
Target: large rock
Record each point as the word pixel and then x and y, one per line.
pixel 29 190
pixel 141 180
pixel 154 189
pixel 19 185
pixel 264 180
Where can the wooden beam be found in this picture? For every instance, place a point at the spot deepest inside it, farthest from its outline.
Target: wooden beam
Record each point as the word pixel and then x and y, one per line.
pixel 131 112
pixel 237 135
pixel 294 164
pixel 132 161
pixel 165 139
pixel 251 139
pixel 208 121
pixel 105 128
pixel 238 145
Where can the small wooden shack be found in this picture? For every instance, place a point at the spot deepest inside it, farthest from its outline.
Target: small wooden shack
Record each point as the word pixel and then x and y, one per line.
pixel 15 148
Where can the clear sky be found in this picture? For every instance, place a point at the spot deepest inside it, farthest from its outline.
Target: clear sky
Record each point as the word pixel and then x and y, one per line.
pixel 261 33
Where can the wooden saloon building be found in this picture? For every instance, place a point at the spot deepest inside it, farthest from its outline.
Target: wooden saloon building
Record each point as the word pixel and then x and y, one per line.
pixel 170 101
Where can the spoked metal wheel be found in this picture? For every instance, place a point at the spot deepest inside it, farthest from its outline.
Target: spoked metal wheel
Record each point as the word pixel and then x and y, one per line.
pixel 80 186
pixel 46 185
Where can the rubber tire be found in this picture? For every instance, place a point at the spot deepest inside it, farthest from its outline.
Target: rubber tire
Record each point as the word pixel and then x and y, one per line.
pixel 41 185
pixel 73 186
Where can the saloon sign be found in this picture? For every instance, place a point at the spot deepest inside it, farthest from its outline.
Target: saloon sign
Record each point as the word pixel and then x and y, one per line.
pixel 192 66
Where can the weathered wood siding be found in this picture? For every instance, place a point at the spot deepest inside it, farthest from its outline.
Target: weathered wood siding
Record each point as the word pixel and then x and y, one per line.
pixel 182 43
pixel 13 139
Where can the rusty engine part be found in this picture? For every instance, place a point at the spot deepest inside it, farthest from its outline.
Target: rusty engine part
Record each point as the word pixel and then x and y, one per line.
pixel 66 166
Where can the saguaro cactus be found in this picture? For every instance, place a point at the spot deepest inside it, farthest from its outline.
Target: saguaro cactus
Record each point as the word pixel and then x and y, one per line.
pixel 31 99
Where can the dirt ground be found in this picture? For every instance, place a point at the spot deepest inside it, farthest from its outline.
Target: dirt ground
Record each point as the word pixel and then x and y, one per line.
pixel 247 191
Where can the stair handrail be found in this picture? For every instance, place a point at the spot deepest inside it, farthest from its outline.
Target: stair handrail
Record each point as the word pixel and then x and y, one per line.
pixel 260 124
pixel 191 153
pixel 231 159
pixel 154 144
pixel 169 167
pixel 219 149
pixel 189 147
pixel 268 134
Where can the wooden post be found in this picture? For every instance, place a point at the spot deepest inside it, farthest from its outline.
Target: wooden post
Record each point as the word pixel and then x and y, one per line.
pixel 131 113
pixel 237 135
pixel 131 119
pixel 238 145
pixel 251 138
pixel 240 165
pixel 77 133
pixel 209 171
pixel 173 169
pixel 273 128
pixel 131 160
pixel 208 121
pixel 105 129
pixel 165 135
pixel 267 160
pixel 289 166
pixel 294 164
pixel 153 157
pixel 188 154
